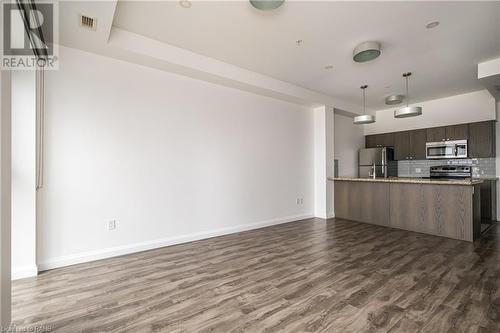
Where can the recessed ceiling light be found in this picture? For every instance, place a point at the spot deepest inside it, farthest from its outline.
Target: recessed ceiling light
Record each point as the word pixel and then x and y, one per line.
pixel 185 3
pixel 366 51
pixel 432 25
pixel 328 66
pixel 266 4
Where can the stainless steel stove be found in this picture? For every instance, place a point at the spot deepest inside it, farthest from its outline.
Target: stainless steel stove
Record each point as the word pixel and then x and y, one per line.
pixel 451 171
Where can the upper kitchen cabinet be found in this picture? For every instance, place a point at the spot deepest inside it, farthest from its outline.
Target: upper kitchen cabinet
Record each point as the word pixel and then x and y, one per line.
pixel 447 133
pixel 379 140
pixel 418 139
pixel 436 134
pixel 482 139
pixel 457 132
pixel 370 141
pixel 410 145
pixel 402 148
pixel 385 140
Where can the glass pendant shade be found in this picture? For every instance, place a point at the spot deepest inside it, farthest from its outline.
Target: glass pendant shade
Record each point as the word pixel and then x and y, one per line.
pixel 266 4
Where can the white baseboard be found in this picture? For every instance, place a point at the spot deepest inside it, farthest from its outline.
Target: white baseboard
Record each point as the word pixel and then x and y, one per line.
pixel 79 258
pixel 22 272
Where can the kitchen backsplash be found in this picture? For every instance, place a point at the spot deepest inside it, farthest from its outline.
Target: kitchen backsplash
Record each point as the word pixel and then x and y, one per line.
pixel 481 167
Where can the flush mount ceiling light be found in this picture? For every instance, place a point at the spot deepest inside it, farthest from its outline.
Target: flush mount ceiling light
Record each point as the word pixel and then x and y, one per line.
pixel 185 3
pixel 266 4
pixel 432 25
pixel 366 51
pixel 394 99
pixel 366 118
pixel 408 111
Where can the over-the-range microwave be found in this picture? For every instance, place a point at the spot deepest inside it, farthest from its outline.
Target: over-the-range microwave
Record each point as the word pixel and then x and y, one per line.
pixel 446 149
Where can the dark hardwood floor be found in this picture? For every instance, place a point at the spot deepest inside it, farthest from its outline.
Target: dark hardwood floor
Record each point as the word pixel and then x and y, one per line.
pixel 306 276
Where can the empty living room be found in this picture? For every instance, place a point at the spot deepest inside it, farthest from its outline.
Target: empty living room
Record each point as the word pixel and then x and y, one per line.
pixel 249 166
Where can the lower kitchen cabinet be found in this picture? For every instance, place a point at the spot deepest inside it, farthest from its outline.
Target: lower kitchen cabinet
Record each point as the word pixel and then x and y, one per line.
pixel 488 200
pixel 361 201
pixel 442 210
pixel 451 211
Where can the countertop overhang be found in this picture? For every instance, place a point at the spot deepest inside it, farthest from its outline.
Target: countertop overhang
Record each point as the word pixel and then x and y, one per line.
pixel 466 182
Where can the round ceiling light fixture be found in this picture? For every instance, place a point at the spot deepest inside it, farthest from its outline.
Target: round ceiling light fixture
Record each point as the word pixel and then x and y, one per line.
pixel 366 51
pixel 408 111
pixel 365 118
pixel 432 25
pixel 394 99
pixel 185 3
pixel 266 4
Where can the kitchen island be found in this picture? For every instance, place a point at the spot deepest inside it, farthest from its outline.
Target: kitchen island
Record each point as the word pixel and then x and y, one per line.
pixel 448 208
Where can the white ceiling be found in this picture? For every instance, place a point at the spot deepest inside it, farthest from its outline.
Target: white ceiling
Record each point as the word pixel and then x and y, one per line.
pixel 443 60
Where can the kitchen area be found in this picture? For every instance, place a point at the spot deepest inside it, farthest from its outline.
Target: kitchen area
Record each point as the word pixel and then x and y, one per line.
pixel 434 180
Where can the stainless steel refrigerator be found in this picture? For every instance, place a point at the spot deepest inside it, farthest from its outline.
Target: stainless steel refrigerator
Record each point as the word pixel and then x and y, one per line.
pixel 375 162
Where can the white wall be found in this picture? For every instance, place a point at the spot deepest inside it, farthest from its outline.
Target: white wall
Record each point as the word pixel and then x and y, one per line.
pixel 5 197
pixel 23 175
pixel 465 108
pixel 170 158
pixel 349 138
pixel 323 162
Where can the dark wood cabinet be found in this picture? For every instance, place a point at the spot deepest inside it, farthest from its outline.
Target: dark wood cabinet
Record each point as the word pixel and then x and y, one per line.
pixel 385 140
pixel 457 132
pixel 488 200
pixel 418 139
pixel 426 208
pixel 379 140
pixel 436 134
pixel 370 141
pixel 402 148
pixel 410 145
pixel 361 201
pixel 453 132
pixel 482 139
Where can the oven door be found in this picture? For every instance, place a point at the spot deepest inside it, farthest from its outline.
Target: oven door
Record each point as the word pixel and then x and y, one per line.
pixel 437 150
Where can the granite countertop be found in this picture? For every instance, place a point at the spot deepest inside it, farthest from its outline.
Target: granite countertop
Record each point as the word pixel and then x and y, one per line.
pixel 472 181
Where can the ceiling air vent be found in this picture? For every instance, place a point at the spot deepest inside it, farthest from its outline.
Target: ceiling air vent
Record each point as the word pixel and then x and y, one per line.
pixel 87 22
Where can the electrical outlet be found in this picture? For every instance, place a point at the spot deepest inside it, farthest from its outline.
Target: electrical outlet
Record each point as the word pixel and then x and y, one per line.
pixel 418 170
pixel 301 201
pixel 297 201
pixel 112 225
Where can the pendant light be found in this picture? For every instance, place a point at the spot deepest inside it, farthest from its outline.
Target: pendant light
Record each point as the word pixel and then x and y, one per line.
pixel 365 118
pixel 394 99
pixel 408 111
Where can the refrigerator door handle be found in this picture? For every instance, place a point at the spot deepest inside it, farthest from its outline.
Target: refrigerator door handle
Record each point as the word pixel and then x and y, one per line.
pixel 384 161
